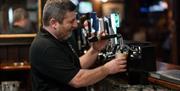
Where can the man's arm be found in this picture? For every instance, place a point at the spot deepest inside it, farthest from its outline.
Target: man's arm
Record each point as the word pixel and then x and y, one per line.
pixel 87 77
pixel 88 58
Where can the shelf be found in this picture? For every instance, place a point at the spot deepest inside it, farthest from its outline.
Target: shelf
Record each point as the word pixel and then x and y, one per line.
pixel 15 67
pixel 10 36
pixel 15 44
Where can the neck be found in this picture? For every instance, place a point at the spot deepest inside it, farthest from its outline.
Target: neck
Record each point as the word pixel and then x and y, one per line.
pixel 51 31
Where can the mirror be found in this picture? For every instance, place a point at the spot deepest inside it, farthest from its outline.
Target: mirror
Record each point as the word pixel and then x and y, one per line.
pixel 13 11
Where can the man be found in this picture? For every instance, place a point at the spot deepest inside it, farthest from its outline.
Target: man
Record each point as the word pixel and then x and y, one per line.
pixel 55 65
pixel 21 22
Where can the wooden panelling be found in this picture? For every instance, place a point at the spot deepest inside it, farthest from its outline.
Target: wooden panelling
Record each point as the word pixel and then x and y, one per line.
pixel 15 48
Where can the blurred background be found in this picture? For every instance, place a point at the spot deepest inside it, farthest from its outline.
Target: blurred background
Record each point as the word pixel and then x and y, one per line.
pixel 154 21
pixel 142 21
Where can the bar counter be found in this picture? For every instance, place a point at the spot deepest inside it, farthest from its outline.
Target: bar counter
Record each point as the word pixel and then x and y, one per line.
pixel 165 66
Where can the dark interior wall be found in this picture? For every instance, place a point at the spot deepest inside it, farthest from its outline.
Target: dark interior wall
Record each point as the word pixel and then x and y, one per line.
pixel 177 22
pixel 134 18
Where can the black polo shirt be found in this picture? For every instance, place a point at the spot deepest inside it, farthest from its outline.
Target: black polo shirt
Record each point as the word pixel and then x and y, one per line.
pixel 53 64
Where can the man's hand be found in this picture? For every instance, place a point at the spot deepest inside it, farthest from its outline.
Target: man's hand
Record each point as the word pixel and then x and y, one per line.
pixel 101 44
pixel 116 65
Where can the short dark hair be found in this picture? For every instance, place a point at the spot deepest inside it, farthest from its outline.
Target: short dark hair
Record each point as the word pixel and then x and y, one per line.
pixel 56 9
pixel 19 14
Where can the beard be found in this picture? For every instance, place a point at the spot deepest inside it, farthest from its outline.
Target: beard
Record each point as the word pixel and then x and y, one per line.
pixel 64 35
pixel 69 35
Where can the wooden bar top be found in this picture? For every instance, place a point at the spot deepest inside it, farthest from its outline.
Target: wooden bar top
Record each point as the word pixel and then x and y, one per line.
pixel 164 83
pixel 165 66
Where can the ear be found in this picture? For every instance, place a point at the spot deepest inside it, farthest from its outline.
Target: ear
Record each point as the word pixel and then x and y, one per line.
pixel 53 23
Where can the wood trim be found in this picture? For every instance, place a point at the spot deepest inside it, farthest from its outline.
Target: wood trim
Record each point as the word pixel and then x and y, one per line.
pixel 11 36
pixel 39 13
pixel 164 83
pixel 13 67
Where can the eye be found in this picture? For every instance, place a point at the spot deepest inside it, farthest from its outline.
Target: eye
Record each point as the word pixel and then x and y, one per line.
pixel 72 21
